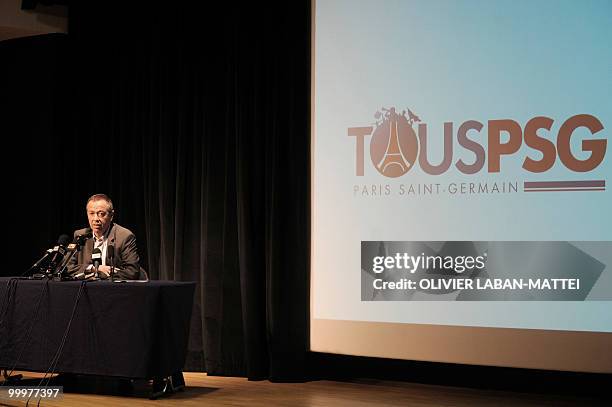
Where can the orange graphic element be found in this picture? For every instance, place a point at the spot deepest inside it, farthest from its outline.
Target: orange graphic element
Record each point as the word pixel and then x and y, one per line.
pixel 394 145
pixel 393 156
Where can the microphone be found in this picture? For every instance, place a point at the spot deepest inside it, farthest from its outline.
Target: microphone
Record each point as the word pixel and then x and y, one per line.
pixel 58 252
pixel 42 260
pixel 96 258
pixel 80 239
pixel 110 253
pixel 72 248
pixel 39 266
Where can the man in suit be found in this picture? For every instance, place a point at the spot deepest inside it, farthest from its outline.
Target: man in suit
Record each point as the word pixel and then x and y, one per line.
pixel 105 233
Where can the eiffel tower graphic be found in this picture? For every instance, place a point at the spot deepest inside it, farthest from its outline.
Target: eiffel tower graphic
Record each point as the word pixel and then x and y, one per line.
pixel 393 156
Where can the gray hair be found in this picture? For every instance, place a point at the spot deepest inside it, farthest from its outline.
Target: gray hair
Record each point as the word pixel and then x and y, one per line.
pixel 100 197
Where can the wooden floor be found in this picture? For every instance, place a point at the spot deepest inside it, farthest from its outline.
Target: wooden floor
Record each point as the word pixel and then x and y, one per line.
pixel 203 390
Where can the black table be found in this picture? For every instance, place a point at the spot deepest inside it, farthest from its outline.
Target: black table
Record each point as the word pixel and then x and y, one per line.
pixel 130 330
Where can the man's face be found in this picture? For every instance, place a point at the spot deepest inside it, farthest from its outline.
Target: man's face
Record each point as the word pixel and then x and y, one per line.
pixel 99 216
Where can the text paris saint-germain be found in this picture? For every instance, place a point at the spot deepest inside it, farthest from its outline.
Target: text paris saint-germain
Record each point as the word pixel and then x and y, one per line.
pixel 421 189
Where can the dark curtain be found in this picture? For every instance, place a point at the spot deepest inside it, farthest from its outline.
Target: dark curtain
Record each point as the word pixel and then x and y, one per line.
pixel 196 121
pixel 31 80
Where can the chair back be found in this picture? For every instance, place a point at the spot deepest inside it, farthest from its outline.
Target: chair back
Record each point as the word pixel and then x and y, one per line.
pixel 142 275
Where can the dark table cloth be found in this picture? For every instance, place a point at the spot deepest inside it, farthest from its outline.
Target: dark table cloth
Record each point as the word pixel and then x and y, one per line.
pixel 134 330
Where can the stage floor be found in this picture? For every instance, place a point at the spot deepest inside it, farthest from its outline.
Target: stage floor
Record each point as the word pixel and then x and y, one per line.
pixel 203 390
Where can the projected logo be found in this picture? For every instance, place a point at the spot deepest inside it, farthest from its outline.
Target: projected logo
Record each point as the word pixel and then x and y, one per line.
pixel 396 147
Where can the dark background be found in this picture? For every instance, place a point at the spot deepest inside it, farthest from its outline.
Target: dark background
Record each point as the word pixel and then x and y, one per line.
pixel 196 122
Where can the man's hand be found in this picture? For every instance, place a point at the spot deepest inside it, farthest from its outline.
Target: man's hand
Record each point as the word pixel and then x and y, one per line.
pixel 104 271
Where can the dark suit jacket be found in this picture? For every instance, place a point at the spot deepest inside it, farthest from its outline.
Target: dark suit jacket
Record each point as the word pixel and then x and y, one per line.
pixel 126 253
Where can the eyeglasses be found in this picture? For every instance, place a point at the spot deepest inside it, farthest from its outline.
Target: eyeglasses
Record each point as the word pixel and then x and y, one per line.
pixel 101 214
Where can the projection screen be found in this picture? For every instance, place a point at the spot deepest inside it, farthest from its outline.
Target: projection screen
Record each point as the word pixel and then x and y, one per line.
pixel 460 162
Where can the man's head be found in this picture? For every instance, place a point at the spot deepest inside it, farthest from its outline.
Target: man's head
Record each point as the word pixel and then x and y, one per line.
pixel 99 213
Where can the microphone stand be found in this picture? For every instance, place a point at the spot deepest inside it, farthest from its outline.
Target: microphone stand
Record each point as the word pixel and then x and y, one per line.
pixel 37 264
pixel 75 247
pixel 59 271
pixel 112 262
